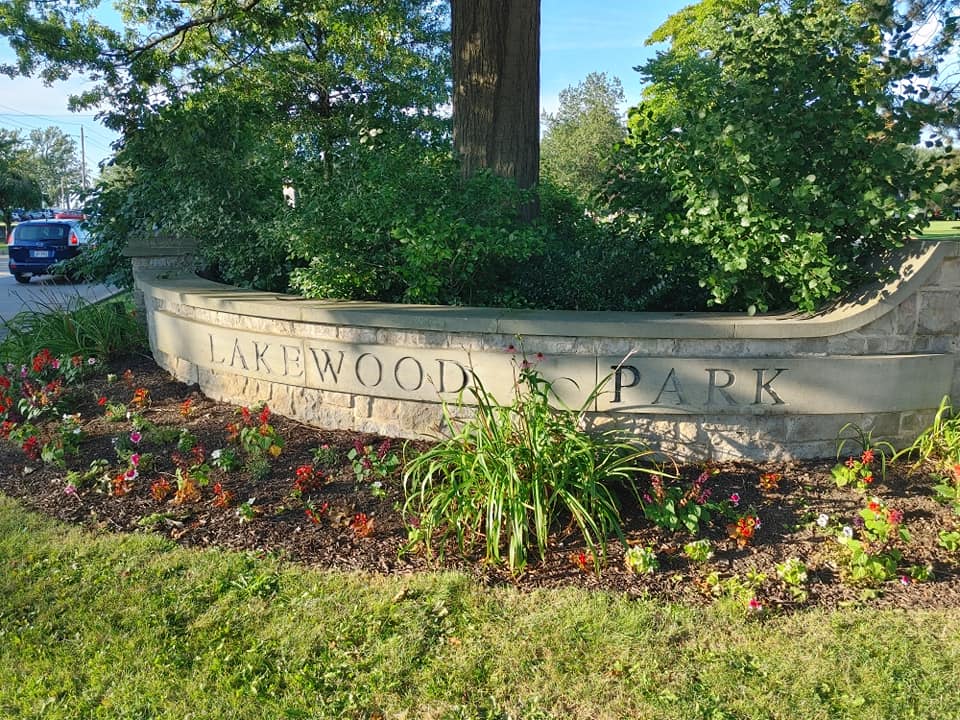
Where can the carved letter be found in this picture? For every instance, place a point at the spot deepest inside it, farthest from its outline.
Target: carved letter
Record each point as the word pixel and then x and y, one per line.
pixel 213 358
pixel 765 387
pixel 673 380
pixel 464 377
pixel 618 379
pixel 327 365
pixel 379 366
pixel 260 359
pixel 287 360
pixel 419 370
pixel 237 354
pixel 731 379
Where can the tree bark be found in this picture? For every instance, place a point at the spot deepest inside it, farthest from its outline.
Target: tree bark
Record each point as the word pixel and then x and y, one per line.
pixel 496 87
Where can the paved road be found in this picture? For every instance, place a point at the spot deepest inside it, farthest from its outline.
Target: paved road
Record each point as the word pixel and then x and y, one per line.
pixel 43 293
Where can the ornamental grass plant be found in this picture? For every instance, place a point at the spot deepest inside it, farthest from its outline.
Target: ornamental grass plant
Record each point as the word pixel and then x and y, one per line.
pixel 101 329
pixel 509 475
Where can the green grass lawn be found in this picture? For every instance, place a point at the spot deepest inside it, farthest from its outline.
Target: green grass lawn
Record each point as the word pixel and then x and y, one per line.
pixel 112 626
pixel 942 229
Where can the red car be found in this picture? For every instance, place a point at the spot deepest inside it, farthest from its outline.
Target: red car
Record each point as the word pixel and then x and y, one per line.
pixel 69 215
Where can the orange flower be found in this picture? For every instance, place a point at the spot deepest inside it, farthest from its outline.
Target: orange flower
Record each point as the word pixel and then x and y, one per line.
pixel 867 456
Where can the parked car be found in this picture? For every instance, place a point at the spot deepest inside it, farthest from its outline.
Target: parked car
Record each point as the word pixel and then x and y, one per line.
pixel 69 215
pixel 35 245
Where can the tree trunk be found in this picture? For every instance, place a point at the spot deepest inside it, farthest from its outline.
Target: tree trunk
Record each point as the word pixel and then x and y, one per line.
pixel 496 87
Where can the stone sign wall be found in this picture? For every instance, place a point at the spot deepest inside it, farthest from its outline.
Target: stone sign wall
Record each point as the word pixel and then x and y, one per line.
pixel 695 385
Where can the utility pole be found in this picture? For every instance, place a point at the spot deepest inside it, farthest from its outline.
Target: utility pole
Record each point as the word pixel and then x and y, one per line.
pixel 83 160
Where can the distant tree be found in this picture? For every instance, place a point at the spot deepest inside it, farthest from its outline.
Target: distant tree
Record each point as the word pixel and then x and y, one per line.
pixel 770 156
pixel 17 189
pixel 580 137
pixel 51 159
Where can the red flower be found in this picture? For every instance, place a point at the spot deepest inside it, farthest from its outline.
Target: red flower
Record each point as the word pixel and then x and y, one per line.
pixel 4 382
pixel 361 525
pixel 851 463
pixel 265 415
pixel 867 456
pixel 102 400
pixel 868 479
pixel 873 506
pixel 31 447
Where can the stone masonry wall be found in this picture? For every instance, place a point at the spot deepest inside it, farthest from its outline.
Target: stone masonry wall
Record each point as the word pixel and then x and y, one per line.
pixel 698 386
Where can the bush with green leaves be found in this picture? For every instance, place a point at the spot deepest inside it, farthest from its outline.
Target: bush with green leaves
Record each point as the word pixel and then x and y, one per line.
pixel 769 160
pixel 510 474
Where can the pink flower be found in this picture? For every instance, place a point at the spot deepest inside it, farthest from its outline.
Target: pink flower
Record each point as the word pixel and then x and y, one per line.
pixel 131 473
pixel 135 437
pixel 735 500
pixel 55 363
pixel 511 349
pixel 755 605
pixel 904 580
pixel 135 459
pixel 70 489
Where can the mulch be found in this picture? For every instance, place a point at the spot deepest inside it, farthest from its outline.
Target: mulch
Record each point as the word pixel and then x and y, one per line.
pixel 282 528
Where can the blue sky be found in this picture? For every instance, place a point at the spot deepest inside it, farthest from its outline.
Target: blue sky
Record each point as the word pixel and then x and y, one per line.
pixel 577 38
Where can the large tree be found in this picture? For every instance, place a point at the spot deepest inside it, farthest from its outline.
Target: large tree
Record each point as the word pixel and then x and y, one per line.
pixel 770 155
pixel 174 47
pixel 496 87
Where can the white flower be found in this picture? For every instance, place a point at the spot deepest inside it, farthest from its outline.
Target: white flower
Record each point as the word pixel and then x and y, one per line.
pixel 215 455
pixel 823 519
pixel 847 531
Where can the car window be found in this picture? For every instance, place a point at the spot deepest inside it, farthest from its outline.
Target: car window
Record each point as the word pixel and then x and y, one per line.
pixel 42 232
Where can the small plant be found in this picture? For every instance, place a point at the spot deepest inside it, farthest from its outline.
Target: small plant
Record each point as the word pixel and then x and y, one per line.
pixel 793 573
pixel 257 437
pixel 186 440
pixel 361 525
pixel 64 442
pixel 920 573
pixel 699 551
pixel 115 412
pixel 939 443
pixel 141 399
pixel 872 559
pixel 307 480
pixel 259 468
pixel 315 512
pixel 187 489
pixel 248 511
pixel 324 456
pixel 948 488
pixel 744 528
pixel 641 560
pixel 770 481
pixel 950 540
pixel 369 463
pixel 87 477
pixel 674 508
pixel 222 498
pixel 160 490
pixel 859 471
pixel 225 459
pixel 186 408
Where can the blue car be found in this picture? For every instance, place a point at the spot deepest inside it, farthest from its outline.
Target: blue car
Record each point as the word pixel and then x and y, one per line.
pixel 35 245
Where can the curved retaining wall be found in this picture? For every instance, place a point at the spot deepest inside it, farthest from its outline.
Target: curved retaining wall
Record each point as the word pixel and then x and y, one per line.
pixel 695 385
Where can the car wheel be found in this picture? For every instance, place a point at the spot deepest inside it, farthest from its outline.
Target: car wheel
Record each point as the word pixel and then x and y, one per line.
pixel 21 278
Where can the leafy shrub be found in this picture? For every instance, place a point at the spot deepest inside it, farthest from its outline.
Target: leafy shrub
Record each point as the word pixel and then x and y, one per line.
pixel 770 155
pixel 508 475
